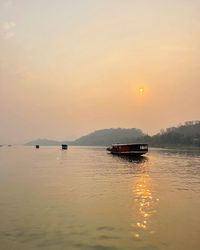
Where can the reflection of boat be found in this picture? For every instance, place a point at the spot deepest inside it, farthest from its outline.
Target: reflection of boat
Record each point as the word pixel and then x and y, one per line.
pixel 129 149
pixel 132 158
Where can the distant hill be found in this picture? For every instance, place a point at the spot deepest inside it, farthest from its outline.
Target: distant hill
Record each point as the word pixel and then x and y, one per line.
pixel 190 128
pixel 98 138
pixel 187 134
pixel 43 142
pixel 183 135
pixel 108 136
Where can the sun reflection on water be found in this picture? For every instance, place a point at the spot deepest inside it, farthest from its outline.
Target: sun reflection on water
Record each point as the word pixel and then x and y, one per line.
pixel 145 206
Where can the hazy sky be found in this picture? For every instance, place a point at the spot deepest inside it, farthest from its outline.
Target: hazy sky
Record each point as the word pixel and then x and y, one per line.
pixel 70 67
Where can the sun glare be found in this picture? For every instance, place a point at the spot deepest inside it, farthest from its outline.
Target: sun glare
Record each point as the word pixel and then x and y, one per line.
pixel 141 90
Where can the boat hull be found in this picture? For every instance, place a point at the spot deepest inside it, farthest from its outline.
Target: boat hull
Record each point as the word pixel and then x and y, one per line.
pixel 129 153
pixel 128 149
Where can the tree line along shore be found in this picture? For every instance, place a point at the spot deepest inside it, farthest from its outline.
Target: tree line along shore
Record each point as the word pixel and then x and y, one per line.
pixel 184 135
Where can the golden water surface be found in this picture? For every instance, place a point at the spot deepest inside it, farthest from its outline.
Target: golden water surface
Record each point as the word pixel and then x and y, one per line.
pixel 84 198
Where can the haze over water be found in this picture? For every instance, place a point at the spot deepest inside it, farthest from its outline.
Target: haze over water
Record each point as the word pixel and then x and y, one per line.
pixel 84 198
pixel 68 68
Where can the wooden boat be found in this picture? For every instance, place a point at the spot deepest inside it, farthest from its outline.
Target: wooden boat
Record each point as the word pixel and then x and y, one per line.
pixel 64 146
pixel 132 149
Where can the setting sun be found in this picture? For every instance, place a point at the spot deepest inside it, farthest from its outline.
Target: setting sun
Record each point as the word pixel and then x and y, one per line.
pixel 141 90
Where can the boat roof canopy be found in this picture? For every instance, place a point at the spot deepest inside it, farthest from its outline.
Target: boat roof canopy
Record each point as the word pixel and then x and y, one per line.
pixel 129 144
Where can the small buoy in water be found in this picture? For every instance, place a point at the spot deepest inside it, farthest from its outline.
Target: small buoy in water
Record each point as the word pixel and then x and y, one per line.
pixel 64 146
pixel 37 146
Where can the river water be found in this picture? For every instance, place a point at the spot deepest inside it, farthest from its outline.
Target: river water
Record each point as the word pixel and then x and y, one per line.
pixel 84 198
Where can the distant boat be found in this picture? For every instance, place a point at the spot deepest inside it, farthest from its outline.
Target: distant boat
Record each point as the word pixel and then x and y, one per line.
pixel 9 145
pixel 37 146
pixel 64 146
pixel 132 149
